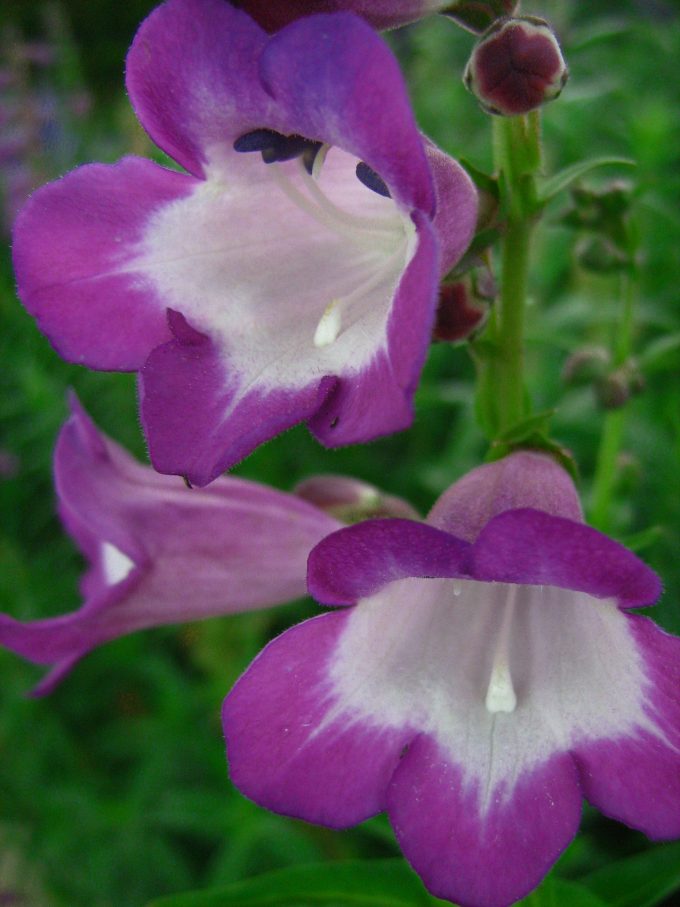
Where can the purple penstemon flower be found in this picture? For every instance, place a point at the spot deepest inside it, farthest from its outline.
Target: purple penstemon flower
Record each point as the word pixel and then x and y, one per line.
pixel 160 553
pixel 488 677
pixel 291 274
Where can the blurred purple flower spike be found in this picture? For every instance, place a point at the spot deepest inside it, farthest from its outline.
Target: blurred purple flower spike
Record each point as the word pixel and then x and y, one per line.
pixel 487 678
pixel 290 275
pixel 160 553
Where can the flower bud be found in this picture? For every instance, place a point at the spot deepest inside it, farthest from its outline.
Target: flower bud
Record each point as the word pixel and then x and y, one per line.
pixel 585 365
pixel 478 15
pixel 352 500
pixel 516 66
pixel 616 388
pixel 463 309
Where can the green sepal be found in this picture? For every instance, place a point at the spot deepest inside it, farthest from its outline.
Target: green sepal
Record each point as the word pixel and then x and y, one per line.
pixel 351 883
pixel 483 181
pixel 551 187
pixel 526 428
pixel 641 880
pixel 481 242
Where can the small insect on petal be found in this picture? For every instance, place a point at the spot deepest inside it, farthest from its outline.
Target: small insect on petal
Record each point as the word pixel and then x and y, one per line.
pixel 371 180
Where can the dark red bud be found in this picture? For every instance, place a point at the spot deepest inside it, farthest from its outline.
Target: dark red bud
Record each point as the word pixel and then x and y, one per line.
pixel 460 314
pixel 516 66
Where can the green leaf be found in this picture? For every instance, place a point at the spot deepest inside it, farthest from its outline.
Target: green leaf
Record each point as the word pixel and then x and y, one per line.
pixel 551 187
pixel 641 880
pixel 640 541
pixel 660 354
pixel 353 883
pixel 558 893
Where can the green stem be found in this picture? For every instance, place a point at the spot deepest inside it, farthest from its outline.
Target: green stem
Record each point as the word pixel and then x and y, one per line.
pixel 606 469
pixel 516 143
pixel 510 325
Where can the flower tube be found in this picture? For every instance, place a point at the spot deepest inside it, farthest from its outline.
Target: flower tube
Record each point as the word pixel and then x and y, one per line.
pixel 160 553
pixel 290 274
pixel 480 677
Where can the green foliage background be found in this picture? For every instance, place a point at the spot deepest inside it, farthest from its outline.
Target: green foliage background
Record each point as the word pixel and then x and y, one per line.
pixel 114 790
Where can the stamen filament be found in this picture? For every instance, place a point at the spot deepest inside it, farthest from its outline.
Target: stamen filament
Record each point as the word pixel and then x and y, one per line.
pixel 500 694
pixel 328 328
pixel 388 224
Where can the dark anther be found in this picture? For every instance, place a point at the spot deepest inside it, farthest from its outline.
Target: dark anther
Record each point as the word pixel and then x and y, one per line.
pixel 371 180
pixel 309 155
pixel 258 140
pixel 276 147
pixel 187 482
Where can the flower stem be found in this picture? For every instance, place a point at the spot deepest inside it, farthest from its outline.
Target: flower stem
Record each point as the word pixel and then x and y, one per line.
pixel 517 157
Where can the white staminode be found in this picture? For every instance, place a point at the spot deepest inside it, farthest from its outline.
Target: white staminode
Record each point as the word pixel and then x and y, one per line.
pixel 328 328
pixel 500 694
pixel 116 565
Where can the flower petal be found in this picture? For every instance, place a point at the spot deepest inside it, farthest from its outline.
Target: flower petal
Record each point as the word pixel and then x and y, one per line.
pixel 529 546
pixel 456 216
pixel 193 80
pixel 635 778
pixel 380 13
pixel 75 241
pixel 359 560
pixel 289 750
pixel 197 420
pixel 339 82
pixel 481 857
pixel 522 479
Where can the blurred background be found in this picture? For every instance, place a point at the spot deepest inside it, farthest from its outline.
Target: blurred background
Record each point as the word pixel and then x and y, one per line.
pixel 114 790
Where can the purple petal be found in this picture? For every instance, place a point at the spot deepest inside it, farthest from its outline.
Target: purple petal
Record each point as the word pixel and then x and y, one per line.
pixel 636 778
pixel 478 856
pixel 196 421
pixel 75 242
pixel 528 546
pixel 161 553
pixel 380 13
pixel 357 561
pixel 339 82
pixel 289 750
pixel 522 479
pixel 193 80
pixel 456 217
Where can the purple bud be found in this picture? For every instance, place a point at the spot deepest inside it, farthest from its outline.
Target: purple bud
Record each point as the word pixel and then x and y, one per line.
pixel 516 66
pixel 352 500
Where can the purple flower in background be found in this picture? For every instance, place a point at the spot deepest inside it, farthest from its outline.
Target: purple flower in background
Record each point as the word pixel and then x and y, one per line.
pixel 379 13
pixel 487 679
pixel 160 553
pixel 290 275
